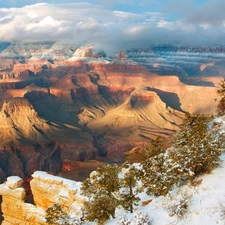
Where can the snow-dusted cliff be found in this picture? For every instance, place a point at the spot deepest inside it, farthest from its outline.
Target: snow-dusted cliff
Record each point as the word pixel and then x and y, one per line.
pixel 47 190
pixel 184 61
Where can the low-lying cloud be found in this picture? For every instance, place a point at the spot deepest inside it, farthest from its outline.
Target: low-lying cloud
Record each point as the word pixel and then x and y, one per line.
pixel 92 23
pixel 211 13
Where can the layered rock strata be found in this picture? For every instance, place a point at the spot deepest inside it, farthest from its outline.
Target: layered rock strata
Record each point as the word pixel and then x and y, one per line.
pixel 15 210
pixel 62 103
pixel 47 190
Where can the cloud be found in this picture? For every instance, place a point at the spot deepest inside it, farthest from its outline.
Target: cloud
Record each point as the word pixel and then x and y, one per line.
pixel 93 23
pixel 211 13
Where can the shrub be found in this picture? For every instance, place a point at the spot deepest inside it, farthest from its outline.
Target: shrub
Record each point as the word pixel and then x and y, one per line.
pixel 124 220
pixel 56 216
pixel 139 218
pixel 179 206
pixel 142 219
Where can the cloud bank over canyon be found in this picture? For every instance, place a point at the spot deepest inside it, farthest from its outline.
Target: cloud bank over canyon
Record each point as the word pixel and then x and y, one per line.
pixel 95 23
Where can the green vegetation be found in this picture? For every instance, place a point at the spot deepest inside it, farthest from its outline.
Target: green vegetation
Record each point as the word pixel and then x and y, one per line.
pixel 102 191
pixel 129 188
pixel 56 216
pixel 196 150
pixel 221 92
pixel 158 177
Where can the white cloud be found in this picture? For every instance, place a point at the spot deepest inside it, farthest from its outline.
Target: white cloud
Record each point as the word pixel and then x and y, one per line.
pixel 212 13
pixel 84 22
pixel 49 21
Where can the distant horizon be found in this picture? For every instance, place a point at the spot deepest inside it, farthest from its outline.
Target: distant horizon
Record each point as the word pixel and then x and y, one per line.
pixel 115 23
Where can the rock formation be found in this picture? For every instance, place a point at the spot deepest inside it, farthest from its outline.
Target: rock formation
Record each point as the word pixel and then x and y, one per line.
pixel 123 59
pixel 47 190
pixel 64 103
pixel 29 143
pixel 89 54
pixel 15 210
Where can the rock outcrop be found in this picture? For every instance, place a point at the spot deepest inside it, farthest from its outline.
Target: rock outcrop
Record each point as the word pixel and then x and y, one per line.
pixel 19 122
pixel 123 59
pixel 15 210
pixel 143 114
pixel 29 142
pixel 47 190
pixel 89 54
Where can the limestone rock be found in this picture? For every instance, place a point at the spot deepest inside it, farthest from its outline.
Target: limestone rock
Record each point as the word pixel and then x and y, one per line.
pixel 14 182
pixel 89 54
pixel 123 59
pixel 47 190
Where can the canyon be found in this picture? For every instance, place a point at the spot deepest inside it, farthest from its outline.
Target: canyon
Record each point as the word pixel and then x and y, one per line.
pixel 64 105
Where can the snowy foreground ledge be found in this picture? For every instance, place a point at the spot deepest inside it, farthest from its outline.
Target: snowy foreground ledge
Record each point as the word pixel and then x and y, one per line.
pixel 205 202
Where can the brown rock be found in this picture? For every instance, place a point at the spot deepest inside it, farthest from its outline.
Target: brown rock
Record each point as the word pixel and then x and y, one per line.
pixel 87 105
pixel 46 189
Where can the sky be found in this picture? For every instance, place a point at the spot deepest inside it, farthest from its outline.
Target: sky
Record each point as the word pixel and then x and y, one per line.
pixel 115 22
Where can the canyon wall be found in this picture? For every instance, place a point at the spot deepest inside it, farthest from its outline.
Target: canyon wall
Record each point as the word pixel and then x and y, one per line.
pixel 77 104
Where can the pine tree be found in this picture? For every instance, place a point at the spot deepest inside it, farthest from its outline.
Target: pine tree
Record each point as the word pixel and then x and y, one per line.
pixel 100 207
pixel 129 187
pixel 102 191
pixel 158 173
pixel 56 216
pixel 221 105
pixel 107 178
pixel 195 150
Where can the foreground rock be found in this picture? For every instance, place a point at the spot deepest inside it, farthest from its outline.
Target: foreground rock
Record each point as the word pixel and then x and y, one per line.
pixel 47 190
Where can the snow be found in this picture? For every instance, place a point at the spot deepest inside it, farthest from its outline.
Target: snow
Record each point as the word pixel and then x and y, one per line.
pixel 71 185
pixel 90 60
pixel 206 203
pixel 89 54
pixel 200 204
pixel 39 50
pixel 14 182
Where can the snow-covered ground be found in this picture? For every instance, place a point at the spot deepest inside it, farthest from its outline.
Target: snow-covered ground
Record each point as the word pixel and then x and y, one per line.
pixel 206 203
